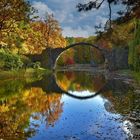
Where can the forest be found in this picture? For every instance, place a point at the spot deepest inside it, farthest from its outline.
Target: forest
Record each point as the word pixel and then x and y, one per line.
pixel 22 33
pixel 39 102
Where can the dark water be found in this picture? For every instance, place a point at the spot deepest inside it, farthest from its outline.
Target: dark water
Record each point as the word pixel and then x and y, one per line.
pixel 67 106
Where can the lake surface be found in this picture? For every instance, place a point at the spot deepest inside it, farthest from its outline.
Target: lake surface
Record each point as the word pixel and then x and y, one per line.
pixel 68 106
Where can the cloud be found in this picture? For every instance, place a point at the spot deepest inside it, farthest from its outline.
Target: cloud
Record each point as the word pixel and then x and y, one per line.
pixel 101 20
pixel 73 22
pixel 78 32
pixel 42 9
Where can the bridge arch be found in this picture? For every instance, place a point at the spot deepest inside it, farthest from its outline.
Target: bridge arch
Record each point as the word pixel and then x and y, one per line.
pixel 115 58
pixel 78 44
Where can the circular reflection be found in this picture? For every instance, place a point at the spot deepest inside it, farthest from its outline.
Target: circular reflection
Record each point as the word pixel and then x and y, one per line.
pixel 82 85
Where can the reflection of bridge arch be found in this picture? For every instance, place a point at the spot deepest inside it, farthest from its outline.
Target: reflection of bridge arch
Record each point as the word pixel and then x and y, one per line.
pixel 79 97
pixel 79 44
pixel 49 85
pixel 84 97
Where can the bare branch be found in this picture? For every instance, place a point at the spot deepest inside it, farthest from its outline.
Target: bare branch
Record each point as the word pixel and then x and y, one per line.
pixel 100 5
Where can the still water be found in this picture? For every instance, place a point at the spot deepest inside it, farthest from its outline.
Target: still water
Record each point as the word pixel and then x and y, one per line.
pixel 67 106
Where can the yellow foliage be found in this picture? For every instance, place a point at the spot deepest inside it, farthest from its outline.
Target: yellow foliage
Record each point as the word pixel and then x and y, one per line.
pixel 4 108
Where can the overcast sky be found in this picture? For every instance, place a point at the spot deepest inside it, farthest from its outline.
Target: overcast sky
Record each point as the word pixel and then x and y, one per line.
pixel 73 23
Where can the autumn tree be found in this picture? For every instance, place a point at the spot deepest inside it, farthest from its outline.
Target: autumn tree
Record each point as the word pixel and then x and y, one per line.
pixel 13 11
pixel 14 15
pixel 44 34
pixel 51 31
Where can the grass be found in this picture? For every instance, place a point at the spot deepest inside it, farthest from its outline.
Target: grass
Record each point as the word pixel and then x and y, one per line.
pixel 136 76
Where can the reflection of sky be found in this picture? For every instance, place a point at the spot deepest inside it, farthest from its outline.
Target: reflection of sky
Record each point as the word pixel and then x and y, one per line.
pixel 127 126
pixel 82 93
pixel 74 23
pixel 86 119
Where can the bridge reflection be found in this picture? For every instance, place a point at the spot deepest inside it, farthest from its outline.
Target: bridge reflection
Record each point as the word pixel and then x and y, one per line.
pixel 50 84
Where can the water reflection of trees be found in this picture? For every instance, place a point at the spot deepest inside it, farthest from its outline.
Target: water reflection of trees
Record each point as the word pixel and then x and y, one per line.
pixel 79 81
pixel 48 106
pixel 16 110
pixel 120 103
pixel 121 99
pixel 120 95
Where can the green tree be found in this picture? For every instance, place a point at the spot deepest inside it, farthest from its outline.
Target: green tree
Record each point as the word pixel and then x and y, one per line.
pixel 134 48
pixel 130 10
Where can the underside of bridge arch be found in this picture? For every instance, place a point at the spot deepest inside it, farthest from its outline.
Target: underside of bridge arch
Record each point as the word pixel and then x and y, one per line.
pixel 81 44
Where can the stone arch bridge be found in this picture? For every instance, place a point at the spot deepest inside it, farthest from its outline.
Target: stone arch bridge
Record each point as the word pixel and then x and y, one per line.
pixel 115 58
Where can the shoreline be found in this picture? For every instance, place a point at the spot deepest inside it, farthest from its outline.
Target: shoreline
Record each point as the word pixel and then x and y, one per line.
pixel 22 73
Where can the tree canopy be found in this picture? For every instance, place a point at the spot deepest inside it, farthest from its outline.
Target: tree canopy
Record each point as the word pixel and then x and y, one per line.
pixel 131 8
pixel 12 11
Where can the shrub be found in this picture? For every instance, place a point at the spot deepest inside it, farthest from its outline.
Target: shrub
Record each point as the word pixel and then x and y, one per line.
pixel 36 65
pixel 10 61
